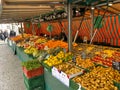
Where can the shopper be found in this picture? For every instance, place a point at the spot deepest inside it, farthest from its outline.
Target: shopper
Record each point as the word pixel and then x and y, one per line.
pixel 2 35
pixel 12 33
pixel 5 34
pixel 63 36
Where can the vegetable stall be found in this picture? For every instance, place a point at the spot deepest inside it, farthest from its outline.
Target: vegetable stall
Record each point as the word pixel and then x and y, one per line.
pixel 88 60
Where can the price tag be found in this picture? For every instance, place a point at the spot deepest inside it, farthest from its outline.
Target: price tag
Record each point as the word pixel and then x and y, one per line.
pixel 55 72
pixel 79 87
pixel 64 79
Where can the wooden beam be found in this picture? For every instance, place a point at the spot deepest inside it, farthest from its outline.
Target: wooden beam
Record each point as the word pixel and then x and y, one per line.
pixel 34 2
pixel 20 10
pixel 0 7
pixel 21 14
pixel 116 9
pixel 25 7
pixel 12 1
pixel 103 9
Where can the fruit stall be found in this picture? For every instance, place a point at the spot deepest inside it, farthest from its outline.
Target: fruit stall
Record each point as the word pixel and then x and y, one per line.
pixel 90 57
pixel 47 65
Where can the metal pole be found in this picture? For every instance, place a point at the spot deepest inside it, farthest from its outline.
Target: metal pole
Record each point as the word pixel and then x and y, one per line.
pixel 12 27
pixel 33 32
pixel 78 29
pixel 99 23
pixel 93 36
pixel 92 23
pixel 69 26
pixel 22 31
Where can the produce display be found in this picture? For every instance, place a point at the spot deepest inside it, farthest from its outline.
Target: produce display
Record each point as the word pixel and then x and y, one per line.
pixel 32 51
pixel 19 37
pixel 84 63
pixel 58 43
pixel 91 50
pixel 52 60
pixel 116 56
pixel 98 54
pixel 31 64
pixel 100 59
pixel 85 56
pixel 69 69
pixel 59 58
pixel 63 66
pixel 41 40
pixel 33 38
pixel 116 61
pixel 99 78
pixel 105 57
pixel 32 41
pixel 73 70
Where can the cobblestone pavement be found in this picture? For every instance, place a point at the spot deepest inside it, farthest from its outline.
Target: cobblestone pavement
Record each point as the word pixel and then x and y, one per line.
pixel 11 76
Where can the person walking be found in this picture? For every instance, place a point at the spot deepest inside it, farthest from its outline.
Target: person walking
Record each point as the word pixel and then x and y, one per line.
pixel 2 37
pixel 5 34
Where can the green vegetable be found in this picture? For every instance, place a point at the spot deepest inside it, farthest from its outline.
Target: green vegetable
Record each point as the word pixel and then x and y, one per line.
pixel 31 64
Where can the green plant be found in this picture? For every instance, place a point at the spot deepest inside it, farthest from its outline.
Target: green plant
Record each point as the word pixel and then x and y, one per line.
pixel 31 64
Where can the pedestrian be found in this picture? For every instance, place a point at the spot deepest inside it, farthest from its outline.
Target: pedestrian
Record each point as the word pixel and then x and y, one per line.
pixel 12 33
pixel 63 36
pixel 2 35
pixel 5 34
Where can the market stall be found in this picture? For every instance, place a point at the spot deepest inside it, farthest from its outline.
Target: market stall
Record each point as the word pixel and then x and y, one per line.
pixel 66 69
pixel 53 64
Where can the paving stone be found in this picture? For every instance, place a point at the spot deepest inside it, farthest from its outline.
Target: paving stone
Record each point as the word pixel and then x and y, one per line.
pixel 11 75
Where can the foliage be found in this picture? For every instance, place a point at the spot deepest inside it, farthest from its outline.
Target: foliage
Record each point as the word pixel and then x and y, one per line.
pixel 31 64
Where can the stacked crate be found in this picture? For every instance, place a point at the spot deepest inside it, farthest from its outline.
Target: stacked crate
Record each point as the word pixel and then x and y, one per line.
pixel 34 79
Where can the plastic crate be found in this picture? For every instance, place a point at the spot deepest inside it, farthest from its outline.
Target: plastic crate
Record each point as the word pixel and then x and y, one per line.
pixel 39 87
pixel 34 82
pixel 32 73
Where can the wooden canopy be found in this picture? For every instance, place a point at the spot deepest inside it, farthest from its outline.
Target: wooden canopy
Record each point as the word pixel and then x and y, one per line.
pixel 19 10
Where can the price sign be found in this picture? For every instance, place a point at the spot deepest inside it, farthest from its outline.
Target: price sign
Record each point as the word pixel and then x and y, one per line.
pixel 64 79
pixel 55 73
